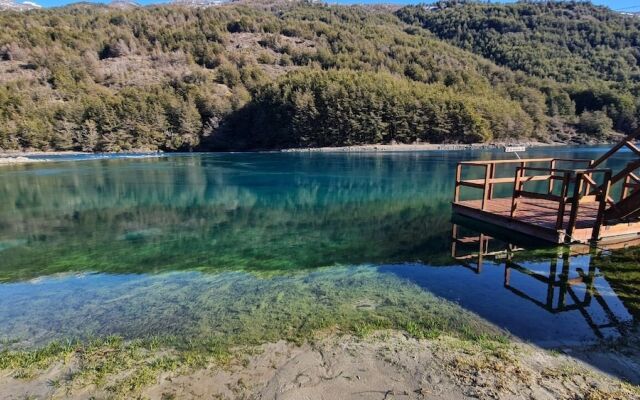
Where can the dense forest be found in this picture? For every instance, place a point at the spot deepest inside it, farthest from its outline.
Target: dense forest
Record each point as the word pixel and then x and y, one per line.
pixel 272 75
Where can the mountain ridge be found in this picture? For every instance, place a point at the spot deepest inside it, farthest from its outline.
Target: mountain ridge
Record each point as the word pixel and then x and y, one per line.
pixel 178 77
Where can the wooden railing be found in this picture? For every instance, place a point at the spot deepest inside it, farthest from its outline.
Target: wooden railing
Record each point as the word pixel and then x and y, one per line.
pixel 627 208
pixel 489 180
pixel 630 181
pixel 586 189
pixel 571 187
pixel 580 182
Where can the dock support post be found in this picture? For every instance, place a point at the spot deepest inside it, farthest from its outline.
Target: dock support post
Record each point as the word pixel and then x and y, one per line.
pixel 517 187
pixel 575 204
pixel 602 206
pixel 486 189
pixel 492 174
pixel 562 205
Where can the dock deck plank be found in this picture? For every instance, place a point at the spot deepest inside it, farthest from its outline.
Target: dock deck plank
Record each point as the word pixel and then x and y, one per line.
pixel 538 217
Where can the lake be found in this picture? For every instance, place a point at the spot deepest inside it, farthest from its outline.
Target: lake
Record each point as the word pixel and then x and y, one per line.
pixel 263 246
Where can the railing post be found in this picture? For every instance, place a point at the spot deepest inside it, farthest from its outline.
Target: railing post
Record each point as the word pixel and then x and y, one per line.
pixel 485 190
pixel 602 206
pixel 575 204
pixel 588 184
pixel 456 193
pixel 563 195
pixel 492 175
pixel 552 166
pixel 516 190
pixel 624 192
pixel 625 187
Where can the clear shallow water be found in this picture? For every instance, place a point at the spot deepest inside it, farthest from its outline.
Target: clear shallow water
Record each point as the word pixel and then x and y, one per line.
pixel 269 245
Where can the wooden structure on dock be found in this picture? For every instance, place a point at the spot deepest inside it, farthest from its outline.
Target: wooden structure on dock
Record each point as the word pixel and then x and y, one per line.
pixel 554 199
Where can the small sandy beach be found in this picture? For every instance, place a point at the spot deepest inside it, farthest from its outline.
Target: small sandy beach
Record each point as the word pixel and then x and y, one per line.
pixel 12 158
pixel 18 160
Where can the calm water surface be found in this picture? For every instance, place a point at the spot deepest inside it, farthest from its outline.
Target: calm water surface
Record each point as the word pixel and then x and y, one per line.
pixel 267 244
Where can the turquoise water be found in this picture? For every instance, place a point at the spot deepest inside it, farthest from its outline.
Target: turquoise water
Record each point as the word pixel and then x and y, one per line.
pixel 274 245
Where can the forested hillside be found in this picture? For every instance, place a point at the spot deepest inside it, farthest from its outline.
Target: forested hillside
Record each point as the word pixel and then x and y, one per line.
pixel 591 51
pixel 273 75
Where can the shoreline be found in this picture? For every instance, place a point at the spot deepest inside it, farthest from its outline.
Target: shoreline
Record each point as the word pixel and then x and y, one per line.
pixel 18 157
pixel 23 157
pixel 19 160
pixel 383 364
pixel 417 147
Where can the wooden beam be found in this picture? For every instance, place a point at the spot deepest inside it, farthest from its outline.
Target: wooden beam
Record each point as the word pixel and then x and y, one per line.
pixel 617 147
pixel 530 178
pixel 552 165
pixel 588 199
pixel 575 205
pixel 632 147
pixel 541 196
pixel 456 192
pixel 485 191
pixel 564 190
pixel 476 183
pixel 483 162
pixel 602 207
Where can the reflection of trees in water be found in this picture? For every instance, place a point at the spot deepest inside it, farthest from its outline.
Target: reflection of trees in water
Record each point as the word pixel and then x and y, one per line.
pixel 184 181
pixel 622 271
pixel 189 214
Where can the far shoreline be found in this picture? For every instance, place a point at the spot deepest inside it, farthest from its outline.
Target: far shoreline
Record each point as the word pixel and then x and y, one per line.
pixel 417 147
pixel 22 157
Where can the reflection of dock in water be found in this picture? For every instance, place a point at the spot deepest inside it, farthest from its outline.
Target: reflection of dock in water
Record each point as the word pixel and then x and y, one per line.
pixel 566 289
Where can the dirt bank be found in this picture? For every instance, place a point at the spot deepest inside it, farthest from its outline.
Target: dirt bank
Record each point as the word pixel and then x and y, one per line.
pixel 386 365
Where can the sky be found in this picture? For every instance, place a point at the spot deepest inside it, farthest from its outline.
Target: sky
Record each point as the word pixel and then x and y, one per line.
pixel 621 5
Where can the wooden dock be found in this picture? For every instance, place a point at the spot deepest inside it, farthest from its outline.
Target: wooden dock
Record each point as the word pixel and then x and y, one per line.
pixel 553 199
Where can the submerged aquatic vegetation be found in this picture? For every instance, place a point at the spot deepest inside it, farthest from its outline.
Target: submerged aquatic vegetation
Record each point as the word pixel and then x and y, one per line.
pixel 250 308
pixel 215 255
pixel 622 271
pixel 238 311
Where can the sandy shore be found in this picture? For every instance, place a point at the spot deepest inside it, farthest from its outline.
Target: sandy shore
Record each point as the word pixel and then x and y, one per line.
pixel 386 365
pixel 10 158
pixel 19 153
pixel 19 160
pixel 390 365
pixel 419 147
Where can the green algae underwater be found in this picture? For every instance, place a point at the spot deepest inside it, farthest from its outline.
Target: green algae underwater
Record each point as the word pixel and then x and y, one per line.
pixel 207 253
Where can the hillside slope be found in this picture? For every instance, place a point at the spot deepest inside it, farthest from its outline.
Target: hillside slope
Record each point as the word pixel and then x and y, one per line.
pixel 590 50
pixel 263 75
